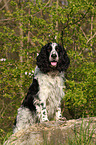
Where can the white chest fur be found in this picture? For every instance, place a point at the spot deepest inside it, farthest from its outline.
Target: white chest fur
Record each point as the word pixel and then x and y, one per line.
pixel 50 90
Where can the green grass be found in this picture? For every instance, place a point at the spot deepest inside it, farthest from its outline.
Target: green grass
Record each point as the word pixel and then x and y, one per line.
pixel 83 136
pixel 6 137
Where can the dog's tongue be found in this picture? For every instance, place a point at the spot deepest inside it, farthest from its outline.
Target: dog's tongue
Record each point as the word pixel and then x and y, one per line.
pixel 53 63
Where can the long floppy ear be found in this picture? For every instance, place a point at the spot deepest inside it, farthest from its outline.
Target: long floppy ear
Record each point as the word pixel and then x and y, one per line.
pixel 42 60
pixel 64 60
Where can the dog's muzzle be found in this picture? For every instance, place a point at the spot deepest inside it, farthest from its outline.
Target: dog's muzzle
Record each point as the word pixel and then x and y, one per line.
pixel 53 58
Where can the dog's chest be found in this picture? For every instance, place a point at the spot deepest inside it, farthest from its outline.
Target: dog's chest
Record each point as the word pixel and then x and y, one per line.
pixel 50 87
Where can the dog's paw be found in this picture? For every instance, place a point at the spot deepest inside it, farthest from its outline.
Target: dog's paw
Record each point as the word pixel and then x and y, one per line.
pixel 44 118
pixel 62 119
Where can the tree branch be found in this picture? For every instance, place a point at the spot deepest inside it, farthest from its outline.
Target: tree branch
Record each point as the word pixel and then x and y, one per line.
pixel 4 5
pixel 68 24
pixel 91 38
pixel 83 32
pixel 7 19
pixel 41 9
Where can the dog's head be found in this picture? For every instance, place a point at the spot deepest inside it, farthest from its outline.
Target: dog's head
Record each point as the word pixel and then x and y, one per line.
pixel 52 57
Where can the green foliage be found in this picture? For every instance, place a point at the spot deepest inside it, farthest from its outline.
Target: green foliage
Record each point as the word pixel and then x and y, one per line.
pixel 26 26
pixel 80 95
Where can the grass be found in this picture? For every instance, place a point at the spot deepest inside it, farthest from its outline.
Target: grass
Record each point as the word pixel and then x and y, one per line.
pixel 83 136
pixel 6 137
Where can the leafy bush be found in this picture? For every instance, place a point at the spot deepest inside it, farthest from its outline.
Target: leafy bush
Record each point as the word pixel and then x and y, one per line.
pixel 26 26
pixel 80 96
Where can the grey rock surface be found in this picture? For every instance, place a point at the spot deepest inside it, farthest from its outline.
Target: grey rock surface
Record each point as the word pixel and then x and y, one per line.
pixel 52 132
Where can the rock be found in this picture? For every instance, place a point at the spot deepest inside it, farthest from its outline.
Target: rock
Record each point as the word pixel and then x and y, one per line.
pixel 52 132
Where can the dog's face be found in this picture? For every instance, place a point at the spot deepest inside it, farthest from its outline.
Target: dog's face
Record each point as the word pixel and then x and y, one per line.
pixel 53 56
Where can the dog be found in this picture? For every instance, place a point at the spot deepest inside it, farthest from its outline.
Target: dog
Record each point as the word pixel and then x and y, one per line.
pixel 43 100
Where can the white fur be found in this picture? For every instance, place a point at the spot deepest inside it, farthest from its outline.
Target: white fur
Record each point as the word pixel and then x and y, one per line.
pixel 53 51
pixel 51 91
pixel 24 119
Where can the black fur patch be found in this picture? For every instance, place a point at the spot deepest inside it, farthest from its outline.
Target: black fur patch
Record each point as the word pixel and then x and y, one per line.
pixel 32 93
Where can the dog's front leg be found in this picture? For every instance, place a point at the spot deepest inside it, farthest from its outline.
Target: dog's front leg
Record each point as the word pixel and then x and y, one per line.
pixel 58 113
pixel 41 111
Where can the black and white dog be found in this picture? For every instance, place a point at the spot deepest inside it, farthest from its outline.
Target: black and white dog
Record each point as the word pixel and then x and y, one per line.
pixel 42 102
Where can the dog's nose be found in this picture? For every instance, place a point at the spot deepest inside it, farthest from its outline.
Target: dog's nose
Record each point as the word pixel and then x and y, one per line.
pixel 53 55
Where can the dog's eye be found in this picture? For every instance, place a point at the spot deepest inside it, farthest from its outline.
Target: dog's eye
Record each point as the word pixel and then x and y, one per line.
pixel 57 49
pixel 49 49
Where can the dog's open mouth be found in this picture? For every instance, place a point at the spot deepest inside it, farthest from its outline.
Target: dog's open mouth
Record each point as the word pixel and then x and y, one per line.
pixel 53 63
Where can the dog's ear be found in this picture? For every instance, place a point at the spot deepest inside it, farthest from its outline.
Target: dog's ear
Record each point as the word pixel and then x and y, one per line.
pixel 42 59
pixel 64 60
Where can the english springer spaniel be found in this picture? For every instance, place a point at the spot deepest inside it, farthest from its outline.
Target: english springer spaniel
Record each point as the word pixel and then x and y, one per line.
pixel 43 99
